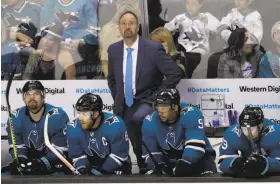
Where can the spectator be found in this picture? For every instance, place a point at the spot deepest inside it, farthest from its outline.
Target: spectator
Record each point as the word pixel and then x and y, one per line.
pixel 194 29
pixel 79 18
pixel 242 16
pixel 10 59
pixel 163 36
pixel 242 57
pixel 136 71
pixel 22 17
pixel 110 32
pixel 270 63
pixel 49 62
pixel 154 11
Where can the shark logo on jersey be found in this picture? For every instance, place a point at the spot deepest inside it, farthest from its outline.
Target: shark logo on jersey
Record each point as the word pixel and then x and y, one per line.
pixel 33 136
pixel 53 112
pixel 67 17
pixel 268 130
pixel 149 117
pixel 93 149
pixel 33 140
pixel 237 131
pixel 185 110
pixel 112 120
pixel 170 138
pixel 15 112
pixel 91 134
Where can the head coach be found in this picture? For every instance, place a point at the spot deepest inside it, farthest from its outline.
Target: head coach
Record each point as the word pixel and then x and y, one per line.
pixel 136 71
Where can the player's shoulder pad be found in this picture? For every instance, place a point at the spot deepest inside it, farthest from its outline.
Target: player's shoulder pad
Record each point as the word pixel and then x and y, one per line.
pixel 150 122
pixel 54 112
pixel 17 113
pixel 72 124
pixel 150 117
pixel 271 129
pixel 114 125
pixel 233 133
pixel 111 119
pixel 187 110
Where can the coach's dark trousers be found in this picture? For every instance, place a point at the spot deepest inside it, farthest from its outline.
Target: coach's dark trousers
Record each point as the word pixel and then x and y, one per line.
pixel 133 117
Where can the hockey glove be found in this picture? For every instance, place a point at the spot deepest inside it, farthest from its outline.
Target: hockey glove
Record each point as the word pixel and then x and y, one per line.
pixel 41 166
pixel 25 166
pixel 182 168
pixel 237 166
pixel 84 171
pixel 256 166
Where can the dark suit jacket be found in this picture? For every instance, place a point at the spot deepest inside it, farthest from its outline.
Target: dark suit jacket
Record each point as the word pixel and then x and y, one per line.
pixel 152 65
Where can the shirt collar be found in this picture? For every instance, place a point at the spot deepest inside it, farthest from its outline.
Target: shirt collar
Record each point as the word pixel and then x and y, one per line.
pixel 134 46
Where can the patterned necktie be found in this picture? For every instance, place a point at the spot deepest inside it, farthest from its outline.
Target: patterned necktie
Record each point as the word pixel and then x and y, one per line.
pixel 128 79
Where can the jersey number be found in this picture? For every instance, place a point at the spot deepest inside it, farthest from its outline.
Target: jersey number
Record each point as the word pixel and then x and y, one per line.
pixel 200 123
pixel 224 144
pixel 104 141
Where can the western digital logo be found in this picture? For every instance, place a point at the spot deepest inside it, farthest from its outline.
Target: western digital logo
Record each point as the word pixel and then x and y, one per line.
pixel 96 90
pixel 4 108
pixel 47 91
pixel 105 107
pixel 264 106
pixel 275 89
pixel 207 90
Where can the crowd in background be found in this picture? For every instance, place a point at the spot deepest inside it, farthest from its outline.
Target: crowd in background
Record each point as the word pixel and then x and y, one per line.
pixel 69 39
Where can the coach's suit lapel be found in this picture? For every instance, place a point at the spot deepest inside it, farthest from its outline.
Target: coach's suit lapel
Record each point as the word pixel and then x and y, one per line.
pixel 140 57
pixel 119 63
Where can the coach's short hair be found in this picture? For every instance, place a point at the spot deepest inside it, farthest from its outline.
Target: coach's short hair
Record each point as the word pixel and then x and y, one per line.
pixel 129 12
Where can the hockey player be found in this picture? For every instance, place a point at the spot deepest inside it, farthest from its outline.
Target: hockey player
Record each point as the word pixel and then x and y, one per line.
pixel 175 138
pixel 194 29
pixel 28 124
pixel 252 147
pixel 97 141
pixel 242 16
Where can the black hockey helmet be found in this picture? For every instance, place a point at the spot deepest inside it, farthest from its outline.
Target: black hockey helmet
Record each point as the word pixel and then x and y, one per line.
pixel 89 102
pixel 168 96
pixel 252 116
pixel 33 85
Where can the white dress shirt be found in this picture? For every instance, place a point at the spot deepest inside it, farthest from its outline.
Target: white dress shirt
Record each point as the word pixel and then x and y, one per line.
pixel 134 54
